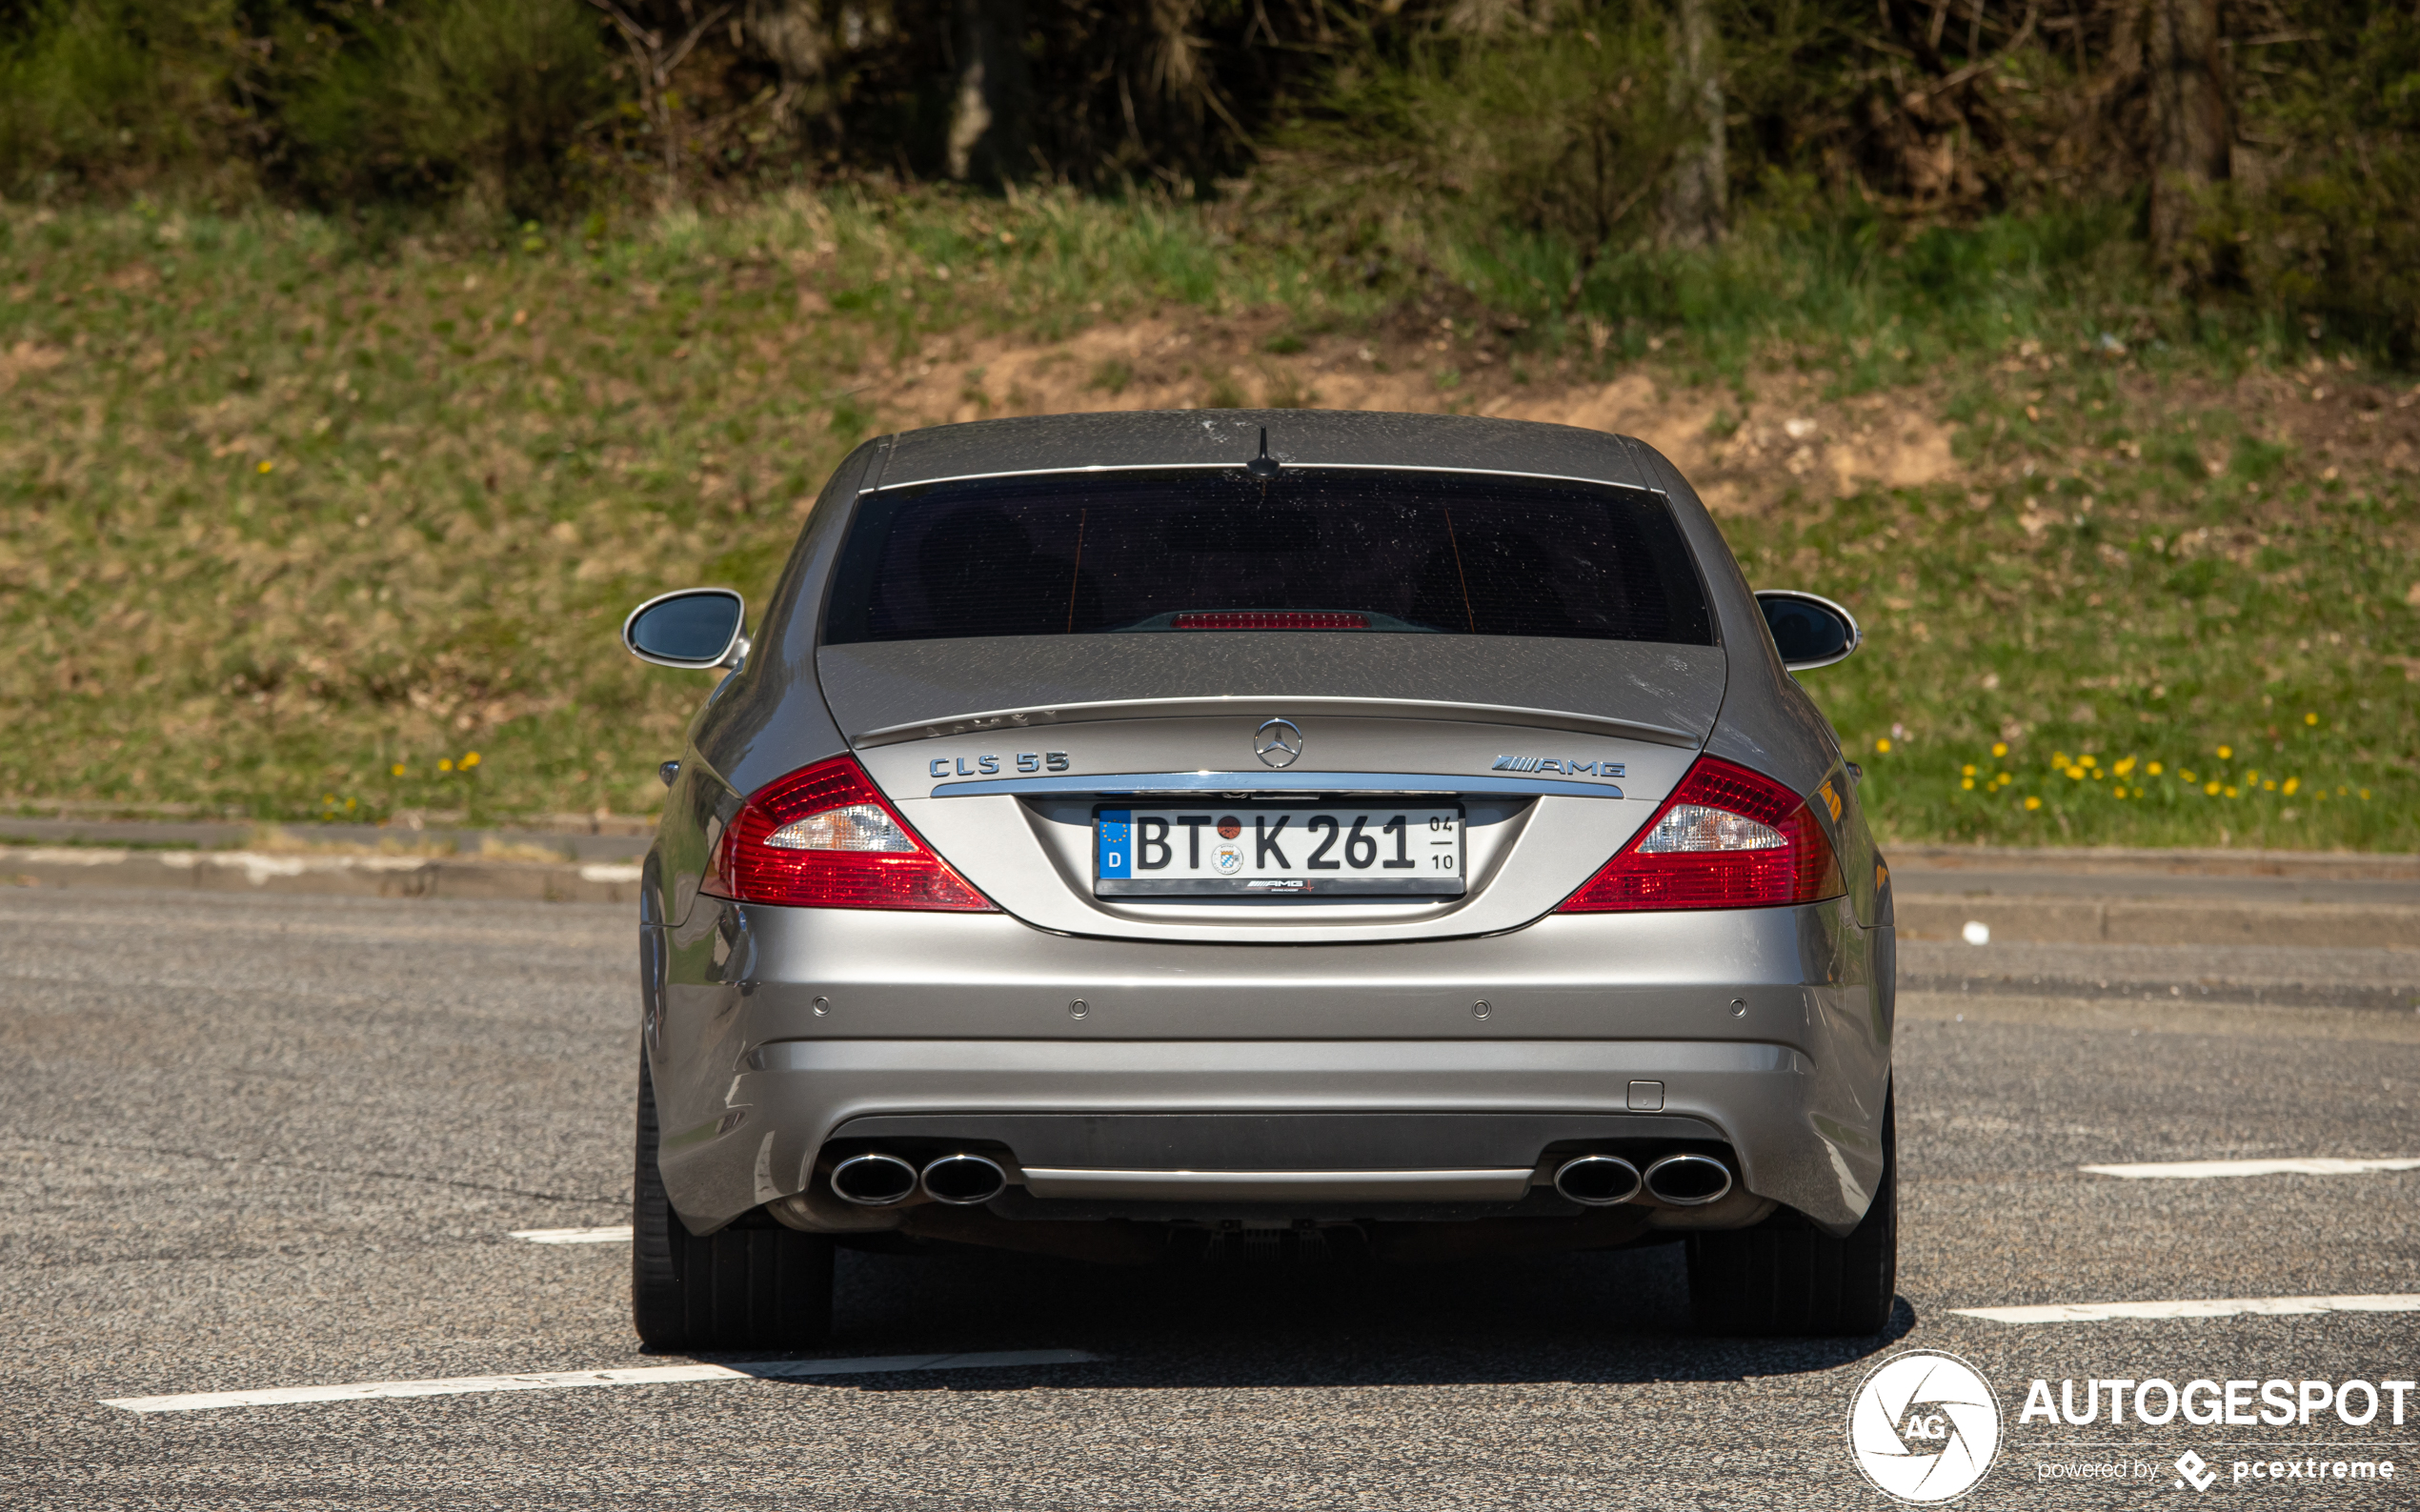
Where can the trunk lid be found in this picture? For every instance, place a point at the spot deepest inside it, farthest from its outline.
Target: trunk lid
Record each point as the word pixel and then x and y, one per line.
pixel 1002 751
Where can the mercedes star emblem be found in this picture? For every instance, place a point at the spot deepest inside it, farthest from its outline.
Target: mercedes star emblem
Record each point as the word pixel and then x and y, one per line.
pixel 1277 743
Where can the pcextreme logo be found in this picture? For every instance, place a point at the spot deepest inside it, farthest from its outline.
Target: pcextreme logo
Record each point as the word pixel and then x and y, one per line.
pixel 1923 1426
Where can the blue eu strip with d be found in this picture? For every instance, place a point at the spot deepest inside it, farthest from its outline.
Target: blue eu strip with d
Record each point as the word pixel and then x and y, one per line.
pixel 1116 830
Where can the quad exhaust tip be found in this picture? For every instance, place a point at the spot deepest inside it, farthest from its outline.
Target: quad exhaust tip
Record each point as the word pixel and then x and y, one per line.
pixel 874 1180
pixel 1689 1180
pixel 1597 1180
pixel 963 1180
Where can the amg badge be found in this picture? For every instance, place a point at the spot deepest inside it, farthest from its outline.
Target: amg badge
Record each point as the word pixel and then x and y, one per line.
pixel 1559 766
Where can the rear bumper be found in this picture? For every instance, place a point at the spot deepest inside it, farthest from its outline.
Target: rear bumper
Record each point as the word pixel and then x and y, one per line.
pixel 797 1096
pixel 1764 1033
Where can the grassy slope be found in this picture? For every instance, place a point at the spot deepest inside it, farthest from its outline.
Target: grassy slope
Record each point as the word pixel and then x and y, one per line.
pixel 279 517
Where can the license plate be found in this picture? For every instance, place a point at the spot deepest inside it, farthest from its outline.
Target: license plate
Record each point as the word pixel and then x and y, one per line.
pixel 1278 851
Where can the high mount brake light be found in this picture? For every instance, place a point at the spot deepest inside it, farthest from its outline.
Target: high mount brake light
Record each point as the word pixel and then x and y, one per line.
pixel 1728 837
pixel 1270 619
pixel 824 838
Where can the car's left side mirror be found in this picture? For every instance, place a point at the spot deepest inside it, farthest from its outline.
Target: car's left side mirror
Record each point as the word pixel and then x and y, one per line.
pixel 692 628
pixel 1808 629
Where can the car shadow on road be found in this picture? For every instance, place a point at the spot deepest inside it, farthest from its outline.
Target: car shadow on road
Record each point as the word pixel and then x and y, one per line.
pixel 1605 1318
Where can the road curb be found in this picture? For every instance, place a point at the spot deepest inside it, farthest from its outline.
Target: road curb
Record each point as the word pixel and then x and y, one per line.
pixel 2109 861
pixel 2366 997
pixel 2119 920
pixel 338 875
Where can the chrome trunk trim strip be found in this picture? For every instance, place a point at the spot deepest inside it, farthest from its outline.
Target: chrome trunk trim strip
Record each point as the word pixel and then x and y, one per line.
pixel 1407 784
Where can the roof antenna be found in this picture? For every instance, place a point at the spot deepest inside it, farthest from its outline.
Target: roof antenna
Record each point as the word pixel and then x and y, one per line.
pixel 1264 465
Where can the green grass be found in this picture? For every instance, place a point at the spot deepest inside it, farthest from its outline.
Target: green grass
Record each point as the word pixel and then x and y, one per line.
pixel 2094 682
pixel 293 524
pixel 300 526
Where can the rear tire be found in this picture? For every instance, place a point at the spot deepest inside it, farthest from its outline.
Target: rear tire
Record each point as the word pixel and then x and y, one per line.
pixel 754 1287
pixel 1785 1277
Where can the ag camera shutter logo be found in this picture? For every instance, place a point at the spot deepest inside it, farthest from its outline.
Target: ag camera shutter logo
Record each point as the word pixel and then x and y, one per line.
pixel 1923 1426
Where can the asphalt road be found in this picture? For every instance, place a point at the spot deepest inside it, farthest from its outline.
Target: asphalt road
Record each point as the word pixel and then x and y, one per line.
pixel 259 1141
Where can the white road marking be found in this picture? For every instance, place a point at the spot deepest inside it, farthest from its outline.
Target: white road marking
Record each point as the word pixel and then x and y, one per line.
pixel 556 1381
pixel 2226 1307
pixel 2202 1170
pixel 617 1234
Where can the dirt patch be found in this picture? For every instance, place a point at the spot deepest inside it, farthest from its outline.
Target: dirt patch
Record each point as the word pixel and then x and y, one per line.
pixel 1741 454
pixel 26 357
pixel 2339 421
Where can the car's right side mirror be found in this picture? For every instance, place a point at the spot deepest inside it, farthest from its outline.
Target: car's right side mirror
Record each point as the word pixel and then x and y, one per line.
pixel 1809 630
pixel 696 628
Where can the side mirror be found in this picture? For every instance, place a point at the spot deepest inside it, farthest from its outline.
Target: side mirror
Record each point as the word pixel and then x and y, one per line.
pixel 1808 629
pixel 692 628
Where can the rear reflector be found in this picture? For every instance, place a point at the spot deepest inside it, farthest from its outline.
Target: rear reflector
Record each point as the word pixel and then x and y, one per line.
pixel 1728 837
pixel 1271 619
pixel 824 838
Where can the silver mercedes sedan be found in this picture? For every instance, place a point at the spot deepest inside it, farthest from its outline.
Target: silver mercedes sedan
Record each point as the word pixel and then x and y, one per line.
pixel 1233 836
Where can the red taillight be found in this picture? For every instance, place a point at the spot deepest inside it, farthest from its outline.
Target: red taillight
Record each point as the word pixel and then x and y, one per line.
pixel 1271 619
pixel 1728 837
pixel 824 838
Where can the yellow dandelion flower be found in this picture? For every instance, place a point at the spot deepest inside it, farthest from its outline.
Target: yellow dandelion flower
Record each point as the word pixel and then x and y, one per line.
pixel 2310 718
pixel 2117 792
pixel 2188 777
pixel 2088 762
pixel 2124 765
pixel 1999 748
pixel 2226 753
pixel 2291 783
pixel 395 771
pixel 329 799
pixel 1966 770
pixel 2075 773
pixel 470 759
pixel 2365 795
pixel 1883 745
pixel 2269 786
pixel 2031 804
pixel 2211 789
pixel 2059 758
pixel 2230 793
pixel 267 467
pixel 445 763
pixel 1967 783
pixel 349 805
pixel 2153 769
pixel 2250 777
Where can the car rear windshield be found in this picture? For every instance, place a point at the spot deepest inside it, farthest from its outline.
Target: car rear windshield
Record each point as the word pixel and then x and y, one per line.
pixel 1325 550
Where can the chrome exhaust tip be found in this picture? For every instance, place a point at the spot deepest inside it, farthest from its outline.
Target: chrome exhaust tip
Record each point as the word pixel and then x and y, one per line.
pixel 963 1180
pixel 874 1180
pixel 1597 1180
pixel 1689 1180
